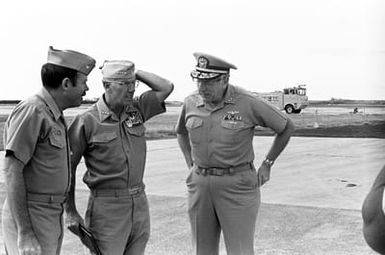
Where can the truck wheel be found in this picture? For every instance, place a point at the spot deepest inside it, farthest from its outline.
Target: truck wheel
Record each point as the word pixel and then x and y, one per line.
pixel 289 108
pixel 297 111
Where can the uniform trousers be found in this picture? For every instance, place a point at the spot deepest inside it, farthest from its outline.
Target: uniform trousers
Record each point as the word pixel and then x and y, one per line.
pixel 119 221
pixel 47 223
pixel 227 203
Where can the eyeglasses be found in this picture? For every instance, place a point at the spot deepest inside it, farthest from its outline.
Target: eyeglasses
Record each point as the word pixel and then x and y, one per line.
pixel 132 85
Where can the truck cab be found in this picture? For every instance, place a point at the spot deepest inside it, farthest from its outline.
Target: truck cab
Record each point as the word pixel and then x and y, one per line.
pixel 295 99
pixel 291 99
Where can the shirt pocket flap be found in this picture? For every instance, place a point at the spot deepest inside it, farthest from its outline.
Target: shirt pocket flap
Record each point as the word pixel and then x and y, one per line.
pixel 57 141
pixel 136 130
pixel 194 122
pixel 104 137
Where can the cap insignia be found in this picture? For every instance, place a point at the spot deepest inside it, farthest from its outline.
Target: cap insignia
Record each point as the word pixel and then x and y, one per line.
pixel 203 62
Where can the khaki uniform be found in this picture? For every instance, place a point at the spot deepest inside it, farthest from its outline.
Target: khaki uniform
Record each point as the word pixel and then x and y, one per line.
pixel 373 215
pixel 222 138
pixel 36 134
pixel 115 152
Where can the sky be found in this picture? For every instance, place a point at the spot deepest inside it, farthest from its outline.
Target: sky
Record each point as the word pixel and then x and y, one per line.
pixel 335 47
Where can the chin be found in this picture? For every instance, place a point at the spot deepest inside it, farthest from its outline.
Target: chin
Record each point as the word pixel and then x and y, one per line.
pixel 207 100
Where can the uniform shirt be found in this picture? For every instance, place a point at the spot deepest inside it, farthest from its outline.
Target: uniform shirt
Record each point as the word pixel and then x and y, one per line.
pixel 373 214
pixel 35 133
pixel 223 137
pixel 114 149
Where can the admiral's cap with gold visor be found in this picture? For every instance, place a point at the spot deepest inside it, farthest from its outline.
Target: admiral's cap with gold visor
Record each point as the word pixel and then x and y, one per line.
pixel 118 70
pixel 71 59
pixel 209 67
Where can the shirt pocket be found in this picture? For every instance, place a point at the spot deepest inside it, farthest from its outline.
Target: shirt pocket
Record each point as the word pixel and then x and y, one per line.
pixel 195 126
pixel 104 137
pixel 136 130
pixel 57 138
pixel 233 131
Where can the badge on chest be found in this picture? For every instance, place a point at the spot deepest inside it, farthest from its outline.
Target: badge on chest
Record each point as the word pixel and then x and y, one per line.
pixel 133 119
pixel 232 116
pixel 232 120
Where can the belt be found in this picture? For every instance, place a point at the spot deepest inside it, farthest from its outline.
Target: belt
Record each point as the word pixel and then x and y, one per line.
pixel 224 171
pixel 117 192
pixel 46 198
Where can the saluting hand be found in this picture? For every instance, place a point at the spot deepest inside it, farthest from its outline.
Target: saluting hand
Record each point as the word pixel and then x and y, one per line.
pixel 28 244
pixel 263 174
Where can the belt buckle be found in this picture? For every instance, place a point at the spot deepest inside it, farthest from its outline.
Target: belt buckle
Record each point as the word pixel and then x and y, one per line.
pixel 218 171
pixel 134 191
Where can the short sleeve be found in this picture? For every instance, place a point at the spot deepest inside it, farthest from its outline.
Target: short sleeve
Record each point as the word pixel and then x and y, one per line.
pixel 181 124
pixel 77 139
pixel 22 132
pixel 149 105
pixel 268 116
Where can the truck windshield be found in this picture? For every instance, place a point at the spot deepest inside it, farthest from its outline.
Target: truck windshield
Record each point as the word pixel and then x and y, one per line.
pixel 301 92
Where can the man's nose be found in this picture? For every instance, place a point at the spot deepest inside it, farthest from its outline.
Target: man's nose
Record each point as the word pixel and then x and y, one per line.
pixel 201 87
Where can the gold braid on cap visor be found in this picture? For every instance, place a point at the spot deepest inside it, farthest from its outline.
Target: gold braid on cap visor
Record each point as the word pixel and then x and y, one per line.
pixel 203 75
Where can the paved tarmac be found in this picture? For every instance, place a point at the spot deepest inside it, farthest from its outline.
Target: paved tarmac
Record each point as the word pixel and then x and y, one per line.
pixel 317 172
pixel 312 172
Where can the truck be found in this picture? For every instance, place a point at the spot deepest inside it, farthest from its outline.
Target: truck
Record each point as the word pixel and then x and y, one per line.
pixel 291 99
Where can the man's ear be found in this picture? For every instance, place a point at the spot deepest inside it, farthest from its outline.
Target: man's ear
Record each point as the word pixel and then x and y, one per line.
pixel 227 78
pixel 106 85
pixel 66 83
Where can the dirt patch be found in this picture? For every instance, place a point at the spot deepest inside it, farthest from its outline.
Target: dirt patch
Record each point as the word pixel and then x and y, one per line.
pixel 375 129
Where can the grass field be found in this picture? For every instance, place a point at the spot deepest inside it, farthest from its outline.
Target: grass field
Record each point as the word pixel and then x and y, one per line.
pixel 343 124
pixel 322 124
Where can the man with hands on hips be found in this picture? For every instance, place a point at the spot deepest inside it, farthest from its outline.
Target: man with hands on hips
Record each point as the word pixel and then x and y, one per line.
pixel 215 133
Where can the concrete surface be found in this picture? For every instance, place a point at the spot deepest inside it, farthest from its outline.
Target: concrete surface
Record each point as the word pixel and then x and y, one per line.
pixel 319 172
pixel 324 175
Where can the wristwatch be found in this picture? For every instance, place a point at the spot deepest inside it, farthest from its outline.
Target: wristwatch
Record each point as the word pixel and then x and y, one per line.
pixel 268 162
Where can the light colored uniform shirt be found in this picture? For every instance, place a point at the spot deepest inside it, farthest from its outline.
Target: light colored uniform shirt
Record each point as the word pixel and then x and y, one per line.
pixel 223 137
pixel 114 149
pixel 36 134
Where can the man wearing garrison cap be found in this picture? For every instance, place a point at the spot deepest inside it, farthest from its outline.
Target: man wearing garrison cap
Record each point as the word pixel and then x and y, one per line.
pixel 37 159
pixel 110 137
pixel 215 133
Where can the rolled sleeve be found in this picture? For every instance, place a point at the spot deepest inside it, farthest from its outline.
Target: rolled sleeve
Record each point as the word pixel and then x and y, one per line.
pixel 149 105
pixel 22 132
pixel 180 127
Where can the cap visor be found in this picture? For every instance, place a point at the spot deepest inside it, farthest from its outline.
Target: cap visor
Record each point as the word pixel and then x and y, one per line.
pixel 203 75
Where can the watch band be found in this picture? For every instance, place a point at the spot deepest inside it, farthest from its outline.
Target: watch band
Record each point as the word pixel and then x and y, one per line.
pixel 268 162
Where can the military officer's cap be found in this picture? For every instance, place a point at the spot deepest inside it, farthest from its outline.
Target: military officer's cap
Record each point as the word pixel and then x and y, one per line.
pixel 71 59
pixel 113 70
pixel 210 67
